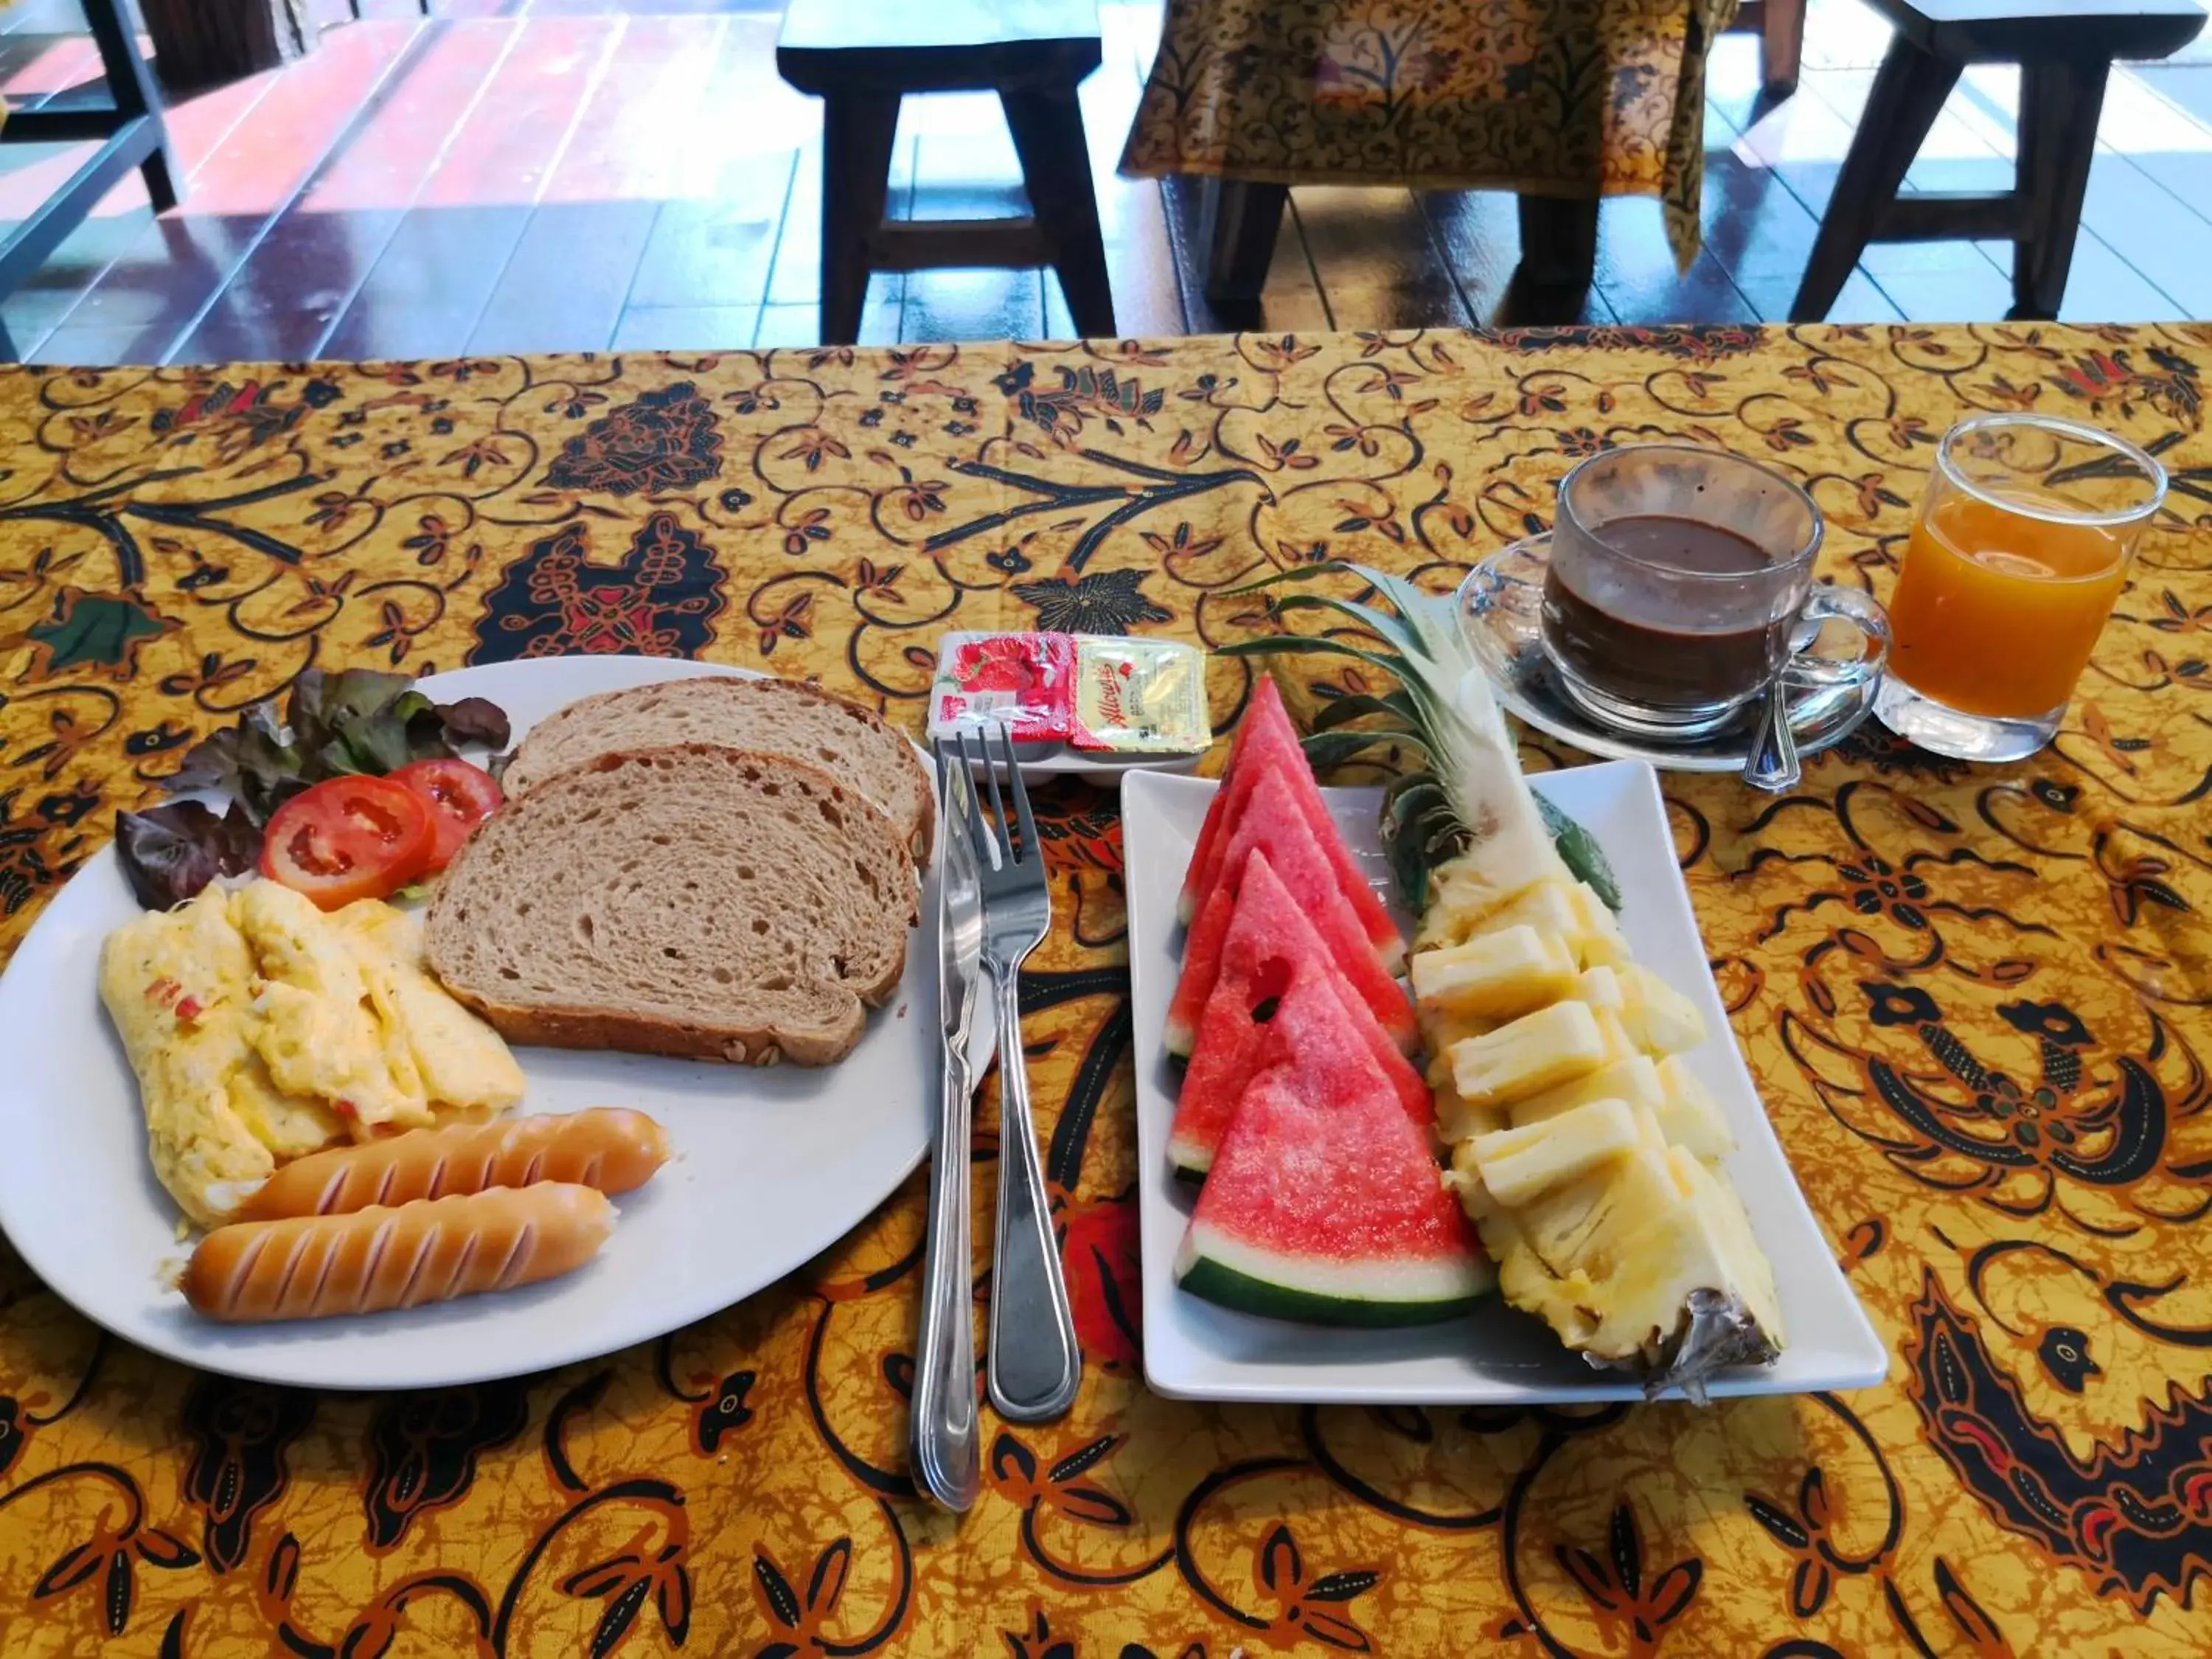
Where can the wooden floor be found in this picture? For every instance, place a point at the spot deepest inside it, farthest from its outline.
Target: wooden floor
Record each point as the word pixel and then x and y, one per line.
pixel 576 175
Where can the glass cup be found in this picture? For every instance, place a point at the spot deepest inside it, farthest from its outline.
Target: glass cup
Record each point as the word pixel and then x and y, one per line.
pixel 1681 584
pixel 2020 549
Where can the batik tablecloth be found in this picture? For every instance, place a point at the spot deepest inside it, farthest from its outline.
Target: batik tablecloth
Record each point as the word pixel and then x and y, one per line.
pixel 1575 98
pixel 1975 999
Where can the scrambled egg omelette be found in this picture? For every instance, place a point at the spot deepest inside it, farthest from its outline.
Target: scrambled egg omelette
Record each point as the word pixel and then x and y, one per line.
pixel 262 1029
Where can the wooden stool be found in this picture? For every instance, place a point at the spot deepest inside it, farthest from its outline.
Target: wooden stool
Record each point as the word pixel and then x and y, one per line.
pixel 861 57
pixel 2065 49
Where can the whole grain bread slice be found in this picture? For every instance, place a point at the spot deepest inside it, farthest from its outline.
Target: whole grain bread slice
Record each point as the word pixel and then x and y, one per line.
pixel 764 715
pixel 696 901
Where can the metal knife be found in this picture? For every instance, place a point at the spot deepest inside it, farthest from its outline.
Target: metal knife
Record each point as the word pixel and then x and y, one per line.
pixel 944 1436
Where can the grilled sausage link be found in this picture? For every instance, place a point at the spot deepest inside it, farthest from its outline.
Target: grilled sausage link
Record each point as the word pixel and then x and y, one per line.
pixel 608 1147
pixel 430 1251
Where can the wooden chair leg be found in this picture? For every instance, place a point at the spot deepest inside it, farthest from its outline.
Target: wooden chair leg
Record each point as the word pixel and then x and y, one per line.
pixel 858 129
pixel 1781 46
pixel 130 85
pixel 1238 227
pixel 2059 104
pixel 1047 131
pixel 1908 90
pixel 1559 240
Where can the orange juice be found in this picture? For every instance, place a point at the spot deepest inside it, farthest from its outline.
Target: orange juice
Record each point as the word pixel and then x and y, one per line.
pixel 1995 611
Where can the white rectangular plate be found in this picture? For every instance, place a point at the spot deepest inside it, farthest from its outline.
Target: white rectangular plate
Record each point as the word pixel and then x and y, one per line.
pixel 1494 1356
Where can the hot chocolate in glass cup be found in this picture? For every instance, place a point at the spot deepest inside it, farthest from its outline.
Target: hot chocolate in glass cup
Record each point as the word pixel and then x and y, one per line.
pixel 1679 585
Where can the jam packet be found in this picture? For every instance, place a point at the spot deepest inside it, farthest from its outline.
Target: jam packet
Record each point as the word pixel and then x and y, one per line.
pixel 1140 697
pixel 1019 684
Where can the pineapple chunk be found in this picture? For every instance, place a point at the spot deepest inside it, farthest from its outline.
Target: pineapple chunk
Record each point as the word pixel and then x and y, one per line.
pixel 1688 1114
pixel 1533 1053
pixel 1495 976
pixel 1660 1019
pixel 1466 890
pixel 1613 1037
pixel 1629 1296
pixel 1752 1274
pixel 1518 1165
pixel 1636 1080
pixel 1464 1181
pixel 1601 988
pixel 1599 928
pixel 1456 1121
pixel 1443 1033
pixel 1615 1199
pixel 1548 907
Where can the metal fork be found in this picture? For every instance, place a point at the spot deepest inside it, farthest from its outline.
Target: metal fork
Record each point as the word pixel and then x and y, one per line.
pixel 1034 1365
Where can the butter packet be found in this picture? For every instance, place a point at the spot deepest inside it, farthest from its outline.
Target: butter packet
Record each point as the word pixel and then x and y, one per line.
pixel 1140 697
pixel 1022 684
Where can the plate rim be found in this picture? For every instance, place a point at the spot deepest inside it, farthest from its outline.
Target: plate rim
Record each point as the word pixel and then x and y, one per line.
pixel 1861 1345
pixel 267 1364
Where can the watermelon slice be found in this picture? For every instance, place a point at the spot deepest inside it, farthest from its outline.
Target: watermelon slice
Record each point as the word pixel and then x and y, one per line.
pixel 1266 743
pixel 1271 823
pixel 1323 1203
pixel 1270 946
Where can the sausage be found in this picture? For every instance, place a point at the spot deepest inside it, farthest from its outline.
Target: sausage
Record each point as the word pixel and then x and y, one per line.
pixel 430 1251
pixel 609 1148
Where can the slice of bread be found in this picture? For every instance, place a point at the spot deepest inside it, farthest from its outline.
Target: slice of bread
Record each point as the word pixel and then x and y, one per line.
pixel 695 901
pixel 766 716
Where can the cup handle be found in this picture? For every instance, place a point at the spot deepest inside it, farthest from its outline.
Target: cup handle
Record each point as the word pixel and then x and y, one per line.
pixel 1818 672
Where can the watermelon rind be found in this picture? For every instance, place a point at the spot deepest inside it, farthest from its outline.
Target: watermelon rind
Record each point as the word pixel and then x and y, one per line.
pixel 1317 1291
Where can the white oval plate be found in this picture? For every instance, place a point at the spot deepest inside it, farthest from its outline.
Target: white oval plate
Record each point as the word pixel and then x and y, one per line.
pixel 771 1166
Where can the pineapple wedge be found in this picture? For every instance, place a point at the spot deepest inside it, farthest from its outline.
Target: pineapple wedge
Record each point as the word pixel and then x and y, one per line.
pixel 1466 890
pixel 1549 907
pixel 1493 976
pixel 1532 1053
pixel 1617 1198
pixel 1456 1121
pixel 1602 943
pixel 1518 1165
pixel 1637 1080
pixel 1688 1115
pixel 1660 1019
pixel 1601 988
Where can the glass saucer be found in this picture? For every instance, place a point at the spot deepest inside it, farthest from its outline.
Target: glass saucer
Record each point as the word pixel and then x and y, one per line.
pixel 1500 611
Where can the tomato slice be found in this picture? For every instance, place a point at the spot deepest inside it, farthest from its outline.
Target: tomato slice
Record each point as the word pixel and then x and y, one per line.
pixel 460 797
pixel 347 839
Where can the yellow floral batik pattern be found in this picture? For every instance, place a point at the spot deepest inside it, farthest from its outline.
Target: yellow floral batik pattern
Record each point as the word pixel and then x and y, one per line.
pixel 1975 1001
pixel 1573 97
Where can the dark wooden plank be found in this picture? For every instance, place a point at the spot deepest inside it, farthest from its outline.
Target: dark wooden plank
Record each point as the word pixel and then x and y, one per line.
pixel 165 271
pixel 1477 236
pixel 424 296
pixel 284 298
pixel 2157 234
pixel 1374 260
pixel 659 119
pixel 688 328
pixel 1860 301
pixel 1640 288
pixel 717 253
pixel 801 324
pixel 566 286
pixel 973 305
pixel 2101 287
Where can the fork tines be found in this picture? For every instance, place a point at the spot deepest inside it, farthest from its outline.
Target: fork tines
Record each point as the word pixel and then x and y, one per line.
pixel 1004 852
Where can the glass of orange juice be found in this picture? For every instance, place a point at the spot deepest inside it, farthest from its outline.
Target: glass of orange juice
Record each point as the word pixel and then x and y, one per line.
pixel 2020 549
